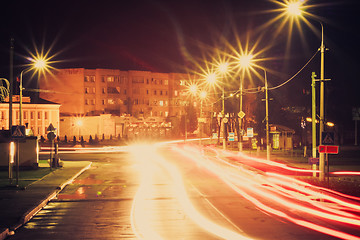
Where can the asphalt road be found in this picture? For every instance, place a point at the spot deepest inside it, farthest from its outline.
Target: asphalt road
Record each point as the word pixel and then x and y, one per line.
pixel 173 192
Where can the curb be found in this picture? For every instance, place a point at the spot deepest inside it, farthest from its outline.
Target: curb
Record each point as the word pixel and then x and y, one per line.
pixel 32 212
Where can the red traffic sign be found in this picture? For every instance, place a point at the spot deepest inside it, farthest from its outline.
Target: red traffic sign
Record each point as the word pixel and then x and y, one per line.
pixel 329 149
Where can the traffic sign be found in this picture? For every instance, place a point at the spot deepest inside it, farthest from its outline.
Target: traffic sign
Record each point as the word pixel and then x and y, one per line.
pixel 51 136
pixel 231 136
pixel 250 132
pixel 18 132
pixel 50 128
pixel 327 138
pixel 241 114
pixel 328 149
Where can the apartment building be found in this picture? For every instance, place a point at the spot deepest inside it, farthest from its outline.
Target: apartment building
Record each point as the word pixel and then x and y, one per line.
pixel 89 92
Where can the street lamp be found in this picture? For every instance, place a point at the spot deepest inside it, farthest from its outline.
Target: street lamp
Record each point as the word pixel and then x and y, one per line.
pixel 39 64
pixel 295 10
pixel 244 63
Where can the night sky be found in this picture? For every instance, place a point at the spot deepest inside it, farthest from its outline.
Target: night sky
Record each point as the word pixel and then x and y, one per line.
pixel 176 36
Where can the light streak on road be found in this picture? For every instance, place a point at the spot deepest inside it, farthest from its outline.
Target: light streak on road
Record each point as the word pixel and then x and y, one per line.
pixel 148 157
pixel 345 173
pixel 293 202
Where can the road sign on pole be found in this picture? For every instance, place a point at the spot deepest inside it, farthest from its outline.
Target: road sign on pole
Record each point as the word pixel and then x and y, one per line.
pixel 250 132
pixel 231 136
pixel 327 138
pixel 18 132
pixel 328 149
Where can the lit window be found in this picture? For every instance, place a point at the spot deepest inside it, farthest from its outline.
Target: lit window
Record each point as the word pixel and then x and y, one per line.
pixel 86 90
pixel 104 90
pixel 93 90
pixel 110 78
pixel 92 78
pixel 111 101
pixel 166 82
pixel 176 93
pixel 161 103
pixel 86 102
pixel 166 114
pixel 86 79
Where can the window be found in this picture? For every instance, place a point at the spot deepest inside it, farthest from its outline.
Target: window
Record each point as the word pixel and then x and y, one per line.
pixel 110 78
pixel 161 103
pixel 182 82
pixel 102 78
pixel 161 82
pixel 92 101
pixel 32 115
pixel 39 115
pixel 154 92
pixel 17 114
pixel 46 115
pixel 86 101
pixel 147 91
pixel 166 93
pixel 175 92
pixel 25 115
pixel 103 102
pixel 147 81
pixel 166 114
pixel 104 90
pixel 161 92
pixel 86 79
pixel 166 82
pixel 87 90
pixel 138 80
pixel 93 90
pixel 92 78
pixel 111 101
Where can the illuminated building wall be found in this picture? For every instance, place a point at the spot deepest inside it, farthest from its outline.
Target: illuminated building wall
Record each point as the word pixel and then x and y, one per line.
pixel 97 91
pixel 37 116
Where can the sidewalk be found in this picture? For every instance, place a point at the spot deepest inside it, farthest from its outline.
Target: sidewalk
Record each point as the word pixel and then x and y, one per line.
pixel 18 206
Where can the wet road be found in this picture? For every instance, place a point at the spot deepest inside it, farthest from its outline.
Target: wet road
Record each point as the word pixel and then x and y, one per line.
pixel 142 193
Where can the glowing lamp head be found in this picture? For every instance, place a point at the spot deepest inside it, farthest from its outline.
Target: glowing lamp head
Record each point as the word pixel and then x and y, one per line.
pixel 193 89
pixel 211 78
pixel 203 95
pixel 294 8
pixel 245 60
pixel 79 123
pixel 223 67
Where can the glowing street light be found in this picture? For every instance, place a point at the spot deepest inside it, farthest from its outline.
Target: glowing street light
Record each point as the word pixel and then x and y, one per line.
pixel 245 62
pixel 294 9
pixel 39 64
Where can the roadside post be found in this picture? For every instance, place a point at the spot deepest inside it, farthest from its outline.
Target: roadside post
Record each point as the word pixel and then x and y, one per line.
pixel 51 136
pixel 17 133
pixel 328 147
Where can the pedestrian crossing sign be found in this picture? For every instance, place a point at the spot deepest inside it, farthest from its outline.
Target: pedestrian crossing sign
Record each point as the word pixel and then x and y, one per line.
pixel 327 138
pixel 18 131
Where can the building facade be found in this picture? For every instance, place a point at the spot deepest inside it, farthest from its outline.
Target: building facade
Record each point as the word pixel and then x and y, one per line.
pixel 90 92
pixel 36 116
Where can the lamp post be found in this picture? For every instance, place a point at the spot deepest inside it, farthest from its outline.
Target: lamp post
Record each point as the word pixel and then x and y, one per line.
pixel 321 126
pixel 38 64
pixel 245 62
pixel 267 117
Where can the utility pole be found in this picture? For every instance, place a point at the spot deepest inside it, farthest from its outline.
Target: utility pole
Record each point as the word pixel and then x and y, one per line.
pixel 322 118
pixel 11 81
pixel 241 115
pixel 267 119
pixel 313 116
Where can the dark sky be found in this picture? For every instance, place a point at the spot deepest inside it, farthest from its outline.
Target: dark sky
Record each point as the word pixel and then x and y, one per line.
pixel 170 36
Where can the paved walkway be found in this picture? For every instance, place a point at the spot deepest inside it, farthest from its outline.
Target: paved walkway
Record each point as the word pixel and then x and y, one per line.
pixel 18 206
